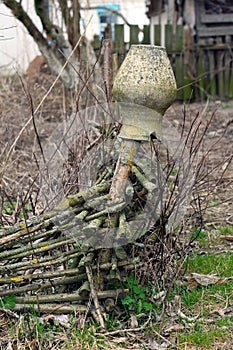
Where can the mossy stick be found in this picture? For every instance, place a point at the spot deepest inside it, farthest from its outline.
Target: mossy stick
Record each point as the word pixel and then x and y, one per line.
pixel 95 297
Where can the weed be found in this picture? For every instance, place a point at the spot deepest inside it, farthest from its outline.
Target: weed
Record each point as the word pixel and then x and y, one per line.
pixel 225 105
pixel 137 301
pixel 9 208
pixel 202 236
pixel 202 338
pixel 12 208
pixel 226 230
pixel 7 302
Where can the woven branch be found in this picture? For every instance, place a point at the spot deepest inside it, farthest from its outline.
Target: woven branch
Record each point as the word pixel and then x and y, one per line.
pixel 58 257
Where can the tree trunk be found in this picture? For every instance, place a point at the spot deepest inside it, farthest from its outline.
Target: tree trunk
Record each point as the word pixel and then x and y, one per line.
pixel 54 53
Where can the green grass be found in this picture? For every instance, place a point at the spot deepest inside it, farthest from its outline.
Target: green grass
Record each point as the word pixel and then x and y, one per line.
pixel 7 302
pixel 221 264
pixel 205 302
pixel 207 238
pixel 226 230
pixel 203 338
pixel 203 237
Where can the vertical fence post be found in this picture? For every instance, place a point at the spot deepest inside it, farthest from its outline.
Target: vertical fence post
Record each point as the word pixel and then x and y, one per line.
pixel 174 46
pixel 212 75
pixel 146 35
pixel 221 68
pixel 200 71
pixel 119 44
pixel 231 78
pixel 134 32
pixel 190 70
pixel 157 34
pixel 119 47
pixel 227 73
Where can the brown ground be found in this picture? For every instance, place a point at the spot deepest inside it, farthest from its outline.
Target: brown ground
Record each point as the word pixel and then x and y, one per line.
pixel 217 146
pixel 21 167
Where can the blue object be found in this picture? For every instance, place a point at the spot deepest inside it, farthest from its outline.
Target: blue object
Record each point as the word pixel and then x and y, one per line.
pixel 114 7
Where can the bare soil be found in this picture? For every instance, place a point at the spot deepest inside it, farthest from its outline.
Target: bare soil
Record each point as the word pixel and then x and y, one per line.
pixel 216 119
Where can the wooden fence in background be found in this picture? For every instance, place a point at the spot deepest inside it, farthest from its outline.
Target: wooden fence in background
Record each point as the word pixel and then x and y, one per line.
pixel 201 69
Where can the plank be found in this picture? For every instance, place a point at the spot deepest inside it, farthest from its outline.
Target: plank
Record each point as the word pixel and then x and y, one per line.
pixel 227 74
pixel 179 74
pixel 220 75
pixel 119 44
pixel 168 37
pixel 230 95
pixel 217 18
pixel 133 32
pixel 212 73
pixel 174 41
pixel 200 73
pixel 215 31
pixel 157 34
pixel 189 90
pixel 179 38
pixel 146 33
pixel 206 80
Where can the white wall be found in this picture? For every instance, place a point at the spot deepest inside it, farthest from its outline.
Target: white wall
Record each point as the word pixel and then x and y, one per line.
pixel 17 47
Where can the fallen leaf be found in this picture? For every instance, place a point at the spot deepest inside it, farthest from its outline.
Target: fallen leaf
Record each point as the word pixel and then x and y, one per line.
pixel 81 321
pixel 187 318
pixel 174 328
pixel 222 312
pixel 9 346
pixel 228 238
pixel 160 296
pixel 197 279
pixel 62 320
pixel 173 307
pixel 153 345
pixel 133 321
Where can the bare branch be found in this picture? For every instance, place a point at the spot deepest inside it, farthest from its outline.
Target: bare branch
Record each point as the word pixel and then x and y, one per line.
pixel 107 9
pixel 23 17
